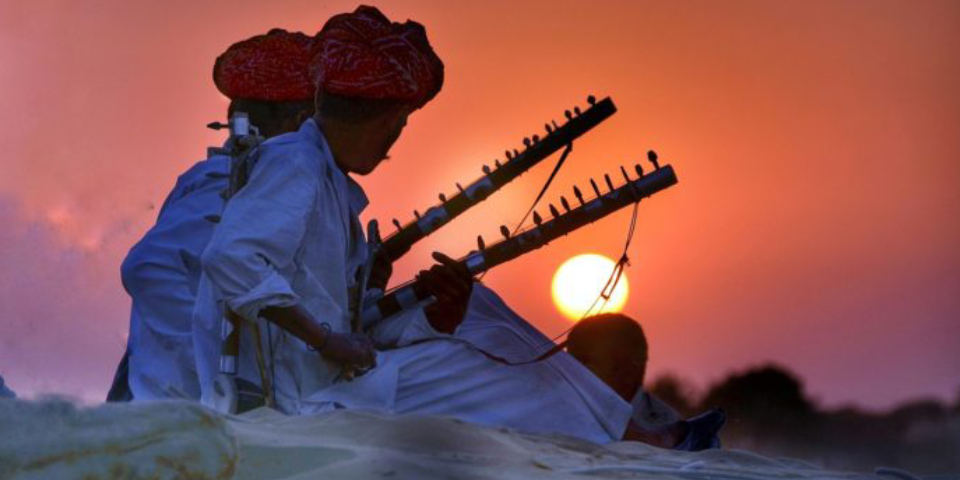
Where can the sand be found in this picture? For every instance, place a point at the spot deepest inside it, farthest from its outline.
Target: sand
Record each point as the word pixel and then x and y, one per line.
pixel 53 439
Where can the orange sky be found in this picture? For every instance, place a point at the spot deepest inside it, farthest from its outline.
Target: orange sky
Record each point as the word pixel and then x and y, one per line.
pixel 815 223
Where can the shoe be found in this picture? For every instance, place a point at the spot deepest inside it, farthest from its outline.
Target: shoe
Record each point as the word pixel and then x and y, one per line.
pixel 703 431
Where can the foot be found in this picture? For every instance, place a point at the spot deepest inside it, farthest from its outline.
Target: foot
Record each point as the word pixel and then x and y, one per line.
pixel 702 431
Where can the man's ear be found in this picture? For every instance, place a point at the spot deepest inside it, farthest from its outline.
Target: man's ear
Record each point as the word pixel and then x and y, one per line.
pixel 292 123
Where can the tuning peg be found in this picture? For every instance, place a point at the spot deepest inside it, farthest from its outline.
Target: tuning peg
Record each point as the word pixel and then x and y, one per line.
pixel 596 190
pixel 639 170
pixel 486 169
pixel 508 154
pixel 212 218
pixel 565 203
pixel 536 139
pixel 652 156
pixel 515 153
pixel 460 187
pixel 592 100
pixel 555 126
pixel 553 211
pixel 443 198
pixel 576 110
pixel 536 218
pixel 396 223
pixel 480 244
pixel 505 232
pixel 217 125
pixel 526 142
pixel 416 214
pixel 548 128
pixel 568 115
pixel 624 172
pixel 497 162
pixel 577 193
pixel 609 183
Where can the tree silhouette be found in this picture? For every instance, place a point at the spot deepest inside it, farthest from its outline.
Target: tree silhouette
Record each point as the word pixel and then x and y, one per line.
pixel 766 399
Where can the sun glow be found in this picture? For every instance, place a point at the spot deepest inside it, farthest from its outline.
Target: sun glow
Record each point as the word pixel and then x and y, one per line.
pixel 578 282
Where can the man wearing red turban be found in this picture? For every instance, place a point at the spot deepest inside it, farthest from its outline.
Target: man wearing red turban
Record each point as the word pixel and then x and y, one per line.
pixel 290 242
pixel 269 78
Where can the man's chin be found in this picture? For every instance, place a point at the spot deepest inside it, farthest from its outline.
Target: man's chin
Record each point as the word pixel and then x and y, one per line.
pixel 369 169
pixel 366 170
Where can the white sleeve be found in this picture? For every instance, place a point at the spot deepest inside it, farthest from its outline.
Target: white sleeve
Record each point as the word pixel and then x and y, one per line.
pixel 162 270
pixel 259 234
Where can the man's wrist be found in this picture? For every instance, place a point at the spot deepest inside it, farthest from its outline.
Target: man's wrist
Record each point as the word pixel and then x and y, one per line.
pixel 324 339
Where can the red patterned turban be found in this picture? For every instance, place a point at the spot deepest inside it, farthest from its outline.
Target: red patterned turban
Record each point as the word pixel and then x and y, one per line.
pixel 363 54
pixel 271 67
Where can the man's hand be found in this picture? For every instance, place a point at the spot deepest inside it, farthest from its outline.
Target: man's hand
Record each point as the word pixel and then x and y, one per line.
pixel 381 271
pixel 451 284
pixel 352 350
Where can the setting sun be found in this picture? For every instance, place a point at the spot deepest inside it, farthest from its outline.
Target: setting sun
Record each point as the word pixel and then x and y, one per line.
pixel 578 282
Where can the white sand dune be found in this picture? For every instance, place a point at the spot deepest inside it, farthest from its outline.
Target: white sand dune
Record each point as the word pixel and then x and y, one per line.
pixel 52 440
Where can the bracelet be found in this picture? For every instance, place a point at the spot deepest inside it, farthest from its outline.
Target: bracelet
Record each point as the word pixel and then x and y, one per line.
pixel 326 338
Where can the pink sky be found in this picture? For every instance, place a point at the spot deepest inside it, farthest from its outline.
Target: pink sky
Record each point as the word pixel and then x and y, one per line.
pixel 815 223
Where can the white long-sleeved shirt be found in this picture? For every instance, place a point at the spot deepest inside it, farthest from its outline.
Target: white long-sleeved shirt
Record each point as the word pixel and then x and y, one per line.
pixel 599 414
pixel 161 273
pixel 449 376
pixel 291 236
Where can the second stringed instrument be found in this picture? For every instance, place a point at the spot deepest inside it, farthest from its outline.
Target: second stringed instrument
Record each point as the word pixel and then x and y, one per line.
pixel 543 232
pixel 517 162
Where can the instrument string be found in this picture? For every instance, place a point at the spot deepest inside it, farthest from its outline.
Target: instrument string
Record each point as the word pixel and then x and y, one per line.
pixel 543 191
pixel 612 280
pixel 605 294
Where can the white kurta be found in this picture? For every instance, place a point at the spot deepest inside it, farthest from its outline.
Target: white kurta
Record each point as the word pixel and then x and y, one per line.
pixel 161 273
pixel 557 395
pixel 449 376
pixel 291 236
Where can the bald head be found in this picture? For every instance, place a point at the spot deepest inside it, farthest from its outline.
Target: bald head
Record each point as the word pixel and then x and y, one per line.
pixel 614 348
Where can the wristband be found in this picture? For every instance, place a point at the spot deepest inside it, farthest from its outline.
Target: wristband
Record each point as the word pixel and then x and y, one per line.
pixel 326 338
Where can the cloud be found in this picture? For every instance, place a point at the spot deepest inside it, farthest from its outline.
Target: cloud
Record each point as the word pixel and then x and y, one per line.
pixel 63 313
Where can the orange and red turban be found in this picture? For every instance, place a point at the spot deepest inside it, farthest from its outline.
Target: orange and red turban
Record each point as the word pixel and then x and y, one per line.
pixel 271 67
pixel 363 54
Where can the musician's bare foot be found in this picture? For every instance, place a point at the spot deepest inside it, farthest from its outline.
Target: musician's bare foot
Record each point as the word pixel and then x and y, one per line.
pixel 695 434
pixel 668 436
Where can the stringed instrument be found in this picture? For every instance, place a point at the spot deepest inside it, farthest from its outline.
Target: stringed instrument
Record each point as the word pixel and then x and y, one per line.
pixel 518 162
pixel 542 233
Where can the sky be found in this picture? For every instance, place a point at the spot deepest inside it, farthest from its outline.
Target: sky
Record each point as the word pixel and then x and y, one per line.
pixel 815 223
